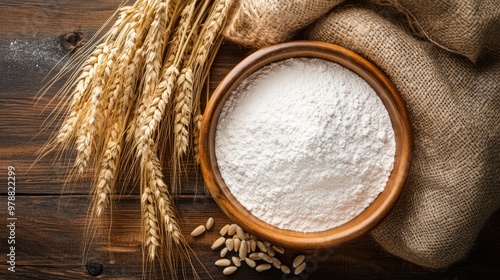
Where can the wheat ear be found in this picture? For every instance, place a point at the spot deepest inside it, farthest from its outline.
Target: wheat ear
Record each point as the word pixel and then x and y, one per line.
pixel 92 121
pixel 148 95
pixel 212 29
pixel 152 109
pixel 163 227
pixel 109 164
pixel 80 95
pixel 150 224
pixel 183 111
pixel 201 60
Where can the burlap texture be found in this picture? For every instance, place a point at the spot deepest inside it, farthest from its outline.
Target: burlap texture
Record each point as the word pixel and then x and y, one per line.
pixel 454 109
pixel 467 27
pixel 454 106
pixel 259 23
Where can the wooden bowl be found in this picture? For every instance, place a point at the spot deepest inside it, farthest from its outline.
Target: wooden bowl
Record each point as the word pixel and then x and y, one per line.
pixel 372 215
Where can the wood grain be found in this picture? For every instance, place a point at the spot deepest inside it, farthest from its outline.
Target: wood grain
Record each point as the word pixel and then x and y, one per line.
pixel 50 228
pixel 50 223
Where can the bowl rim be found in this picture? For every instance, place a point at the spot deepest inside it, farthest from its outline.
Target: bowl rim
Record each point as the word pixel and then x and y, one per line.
pixel 375 212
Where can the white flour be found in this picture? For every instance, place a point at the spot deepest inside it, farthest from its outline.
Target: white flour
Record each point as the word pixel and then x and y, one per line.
pixel 305 144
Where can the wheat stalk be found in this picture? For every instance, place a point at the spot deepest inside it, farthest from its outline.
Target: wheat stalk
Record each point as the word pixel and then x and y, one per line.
pixel 197 119
pixel 127 94
pixel 187 98
pixel 88 71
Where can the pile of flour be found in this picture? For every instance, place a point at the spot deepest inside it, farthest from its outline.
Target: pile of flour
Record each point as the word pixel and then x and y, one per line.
pixel 305 144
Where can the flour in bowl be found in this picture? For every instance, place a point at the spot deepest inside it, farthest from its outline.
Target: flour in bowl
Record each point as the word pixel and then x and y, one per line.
pixel 305 144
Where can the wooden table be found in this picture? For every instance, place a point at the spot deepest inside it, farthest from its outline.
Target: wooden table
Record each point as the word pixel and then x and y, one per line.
pixel 34 36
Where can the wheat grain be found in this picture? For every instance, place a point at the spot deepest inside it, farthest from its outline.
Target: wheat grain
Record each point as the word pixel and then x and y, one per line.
pixel 209 223
pixel 299 269
pixel 254 256
pixel 224 229
pixel 298 260
pixel 253 246
pixel 251 263
pixel 240 233
pixel 232 229
pixel 237 243
pixel 270 252
pixel 265 257
pixel 223 252
pixel 223 262
pixel 236 261
pixel 217 243
pixel 276 263
pixel 229 244
pixel 285 269
pixel 243 250
pixel 229 270
pixel 263 267
pixel 262 246
pixel 278 249
pixel 198 230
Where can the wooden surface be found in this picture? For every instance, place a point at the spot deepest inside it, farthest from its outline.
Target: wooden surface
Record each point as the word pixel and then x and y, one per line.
pixel 50 224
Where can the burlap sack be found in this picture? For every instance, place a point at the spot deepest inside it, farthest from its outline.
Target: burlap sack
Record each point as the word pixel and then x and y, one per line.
pixel 467 27
pixel 454 107
pixel 258 23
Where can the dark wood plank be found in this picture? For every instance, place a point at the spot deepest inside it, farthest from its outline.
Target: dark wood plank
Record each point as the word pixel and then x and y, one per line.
pixel 49 231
